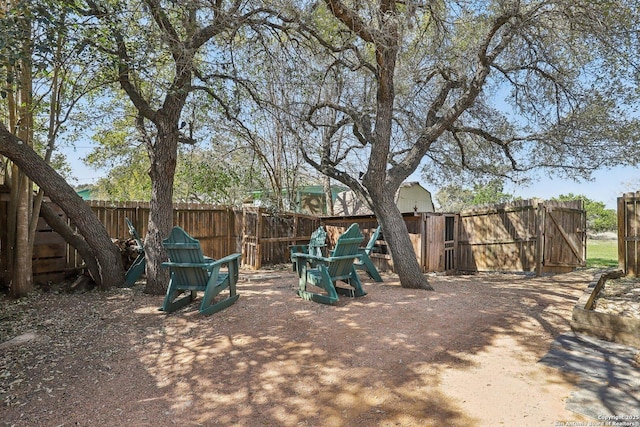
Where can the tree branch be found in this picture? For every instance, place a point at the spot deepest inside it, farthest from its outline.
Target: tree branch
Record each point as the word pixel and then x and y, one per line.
pixel 349 18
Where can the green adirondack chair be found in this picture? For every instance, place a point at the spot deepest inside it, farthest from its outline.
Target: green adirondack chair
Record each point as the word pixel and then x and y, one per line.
pixel 138 267
pixel 316 246
pixel 192 272
pixel 325 272
pixel 364 262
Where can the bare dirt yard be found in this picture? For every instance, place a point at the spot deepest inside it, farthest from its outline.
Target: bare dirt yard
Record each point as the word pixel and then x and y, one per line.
pixel 467 354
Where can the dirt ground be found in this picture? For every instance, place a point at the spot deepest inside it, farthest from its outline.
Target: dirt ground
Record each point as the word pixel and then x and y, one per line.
pixel 466 354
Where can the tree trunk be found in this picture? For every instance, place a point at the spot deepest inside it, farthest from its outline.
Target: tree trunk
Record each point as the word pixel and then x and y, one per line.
pixel 394 229
pixel 163 167
pixel 22 278
pixel 381 187
pixel 107 254
pixel 328 194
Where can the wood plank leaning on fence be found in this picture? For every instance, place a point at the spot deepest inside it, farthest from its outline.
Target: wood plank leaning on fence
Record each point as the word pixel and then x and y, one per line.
pixel 325 272
pixel 191 272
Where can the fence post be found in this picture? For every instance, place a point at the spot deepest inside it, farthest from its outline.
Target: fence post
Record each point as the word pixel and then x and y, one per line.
pixel 424 242
pixel 540 217
pixel 295 229
pixel 622 244
pixel 246 257
pixel 258 240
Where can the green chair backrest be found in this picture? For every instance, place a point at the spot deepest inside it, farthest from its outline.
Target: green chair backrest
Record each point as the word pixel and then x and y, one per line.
pixel 345 251
pixel 183 248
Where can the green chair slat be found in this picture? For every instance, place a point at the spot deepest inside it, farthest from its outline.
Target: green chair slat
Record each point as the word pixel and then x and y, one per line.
pixel 316 246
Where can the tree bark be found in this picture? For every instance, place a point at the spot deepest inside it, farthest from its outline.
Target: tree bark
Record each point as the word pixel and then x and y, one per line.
pixel 328 194
pixel 162 171
pixel 405 262
pixel 111 269
pixel 22 276
pixel 381 186
pixel 163 152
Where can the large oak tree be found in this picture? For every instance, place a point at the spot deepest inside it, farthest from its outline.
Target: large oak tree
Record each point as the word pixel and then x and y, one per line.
pixel 493 87
pixel 163 51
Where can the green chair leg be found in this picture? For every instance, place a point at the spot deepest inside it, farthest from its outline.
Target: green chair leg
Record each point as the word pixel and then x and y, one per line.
pixel 371 269
pixel 135 271
pixel 219 306
pixel 172 304
pixel 208 306
pixel 323 281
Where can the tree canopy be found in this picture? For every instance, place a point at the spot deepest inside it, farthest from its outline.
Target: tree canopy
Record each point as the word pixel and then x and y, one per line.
pixel 455 198
pixel 364 92
pixel 463 90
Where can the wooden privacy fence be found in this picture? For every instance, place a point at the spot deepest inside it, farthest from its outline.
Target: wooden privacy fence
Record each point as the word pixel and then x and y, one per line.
pixel 215 227
pixel 50 262
pixel 528 235
pixel 524 236
pixel 629 233
pixel 266 237
pixel 261 237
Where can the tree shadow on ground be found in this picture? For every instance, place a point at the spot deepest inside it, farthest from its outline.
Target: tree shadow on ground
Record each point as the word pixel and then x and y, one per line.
pixel 278 360
pixel 275 359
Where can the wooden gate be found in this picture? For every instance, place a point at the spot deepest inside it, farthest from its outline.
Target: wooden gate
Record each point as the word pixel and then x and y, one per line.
pixel 565 241
pixel 527 235
pixel 266 237
pixel 629 233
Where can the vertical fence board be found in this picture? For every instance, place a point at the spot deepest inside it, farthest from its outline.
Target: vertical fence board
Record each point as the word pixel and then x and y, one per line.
pixel 634 234
pixel 629 233
pixel 4 253
pixel 621 234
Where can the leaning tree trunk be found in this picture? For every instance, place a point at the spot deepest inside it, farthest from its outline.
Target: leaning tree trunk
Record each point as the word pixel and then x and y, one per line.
pixel 405 262
pixel 107 254
pixel 74 239
pixel 381 187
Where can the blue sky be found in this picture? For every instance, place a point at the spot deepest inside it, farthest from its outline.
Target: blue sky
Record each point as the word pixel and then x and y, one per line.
pixel 83 174
pixel 607 186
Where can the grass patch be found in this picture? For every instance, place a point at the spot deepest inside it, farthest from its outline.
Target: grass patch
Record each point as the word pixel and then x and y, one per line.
pixel 602 253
